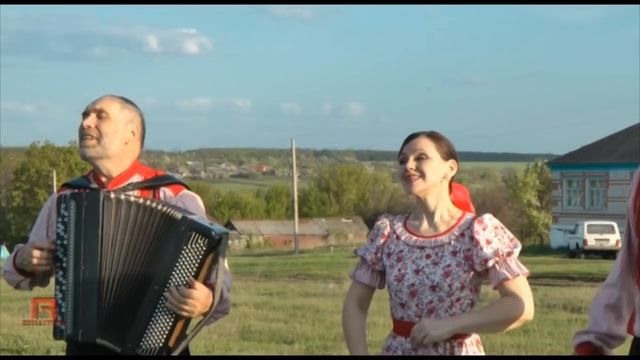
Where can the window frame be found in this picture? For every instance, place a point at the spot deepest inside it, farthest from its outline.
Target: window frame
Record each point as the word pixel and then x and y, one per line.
pixel 603 193
pixel 578 189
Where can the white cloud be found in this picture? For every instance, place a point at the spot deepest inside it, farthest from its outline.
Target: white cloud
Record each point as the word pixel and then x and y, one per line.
pixel 465 81
pixel 149 101
pixel 576 14
pixel 19 108
pixel 355 109
pixel 241 104
pixel 327 108
pixel 153 44
pixel 290 108
pixel 196 46
pixel 300 12
pixel 196 104
pixel 99 51
pixel 163 41
pixel 202 103
pixel 348 109
pixel 57 36
pixel 189 31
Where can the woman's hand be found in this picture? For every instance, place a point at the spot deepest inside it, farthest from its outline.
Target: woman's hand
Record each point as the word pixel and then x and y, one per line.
pixel 429 331
pixel 512 309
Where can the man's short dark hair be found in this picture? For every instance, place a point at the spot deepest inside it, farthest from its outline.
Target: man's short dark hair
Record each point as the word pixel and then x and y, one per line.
pixel 127 102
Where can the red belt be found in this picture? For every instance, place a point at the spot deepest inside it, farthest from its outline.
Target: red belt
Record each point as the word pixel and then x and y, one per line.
pixel 403 328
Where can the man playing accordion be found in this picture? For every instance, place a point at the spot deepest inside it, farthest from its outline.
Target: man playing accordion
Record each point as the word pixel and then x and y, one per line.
pixel 110 138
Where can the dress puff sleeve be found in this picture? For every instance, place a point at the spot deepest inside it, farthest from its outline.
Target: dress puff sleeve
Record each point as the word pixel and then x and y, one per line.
pixel 495 250
pixel 370 268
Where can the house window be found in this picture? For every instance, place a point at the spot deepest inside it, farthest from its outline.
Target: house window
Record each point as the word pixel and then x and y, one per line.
pixel 596 193
pixel 572 193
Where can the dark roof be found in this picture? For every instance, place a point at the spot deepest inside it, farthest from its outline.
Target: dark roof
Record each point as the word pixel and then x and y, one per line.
pixel 620 147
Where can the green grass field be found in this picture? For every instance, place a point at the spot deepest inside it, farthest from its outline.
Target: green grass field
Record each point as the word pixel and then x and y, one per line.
pixel 291 304
pixel 249 185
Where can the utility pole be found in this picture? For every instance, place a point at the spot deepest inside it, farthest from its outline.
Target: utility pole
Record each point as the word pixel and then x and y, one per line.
pixel 295 196
pixel 54 182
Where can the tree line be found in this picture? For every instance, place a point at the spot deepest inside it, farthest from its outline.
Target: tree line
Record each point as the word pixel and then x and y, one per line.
pixel 520 199
pixel 275 157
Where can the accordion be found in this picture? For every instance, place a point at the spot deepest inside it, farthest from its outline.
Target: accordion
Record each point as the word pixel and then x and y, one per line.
pixel 116 255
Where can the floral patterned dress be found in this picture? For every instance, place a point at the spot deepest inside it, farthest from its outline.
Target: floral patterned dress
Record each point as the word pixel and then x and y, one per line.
pixel 436 276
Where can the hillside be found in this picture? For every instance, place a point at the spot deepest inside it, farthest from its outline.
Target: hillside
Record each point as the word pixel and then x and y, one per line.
pixel 262 155
pixel 259 154
pixel 247 163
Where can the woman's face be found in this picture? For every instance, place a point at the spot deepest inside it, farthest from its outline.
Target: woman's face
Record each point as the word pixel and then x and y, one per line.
pixel 422 169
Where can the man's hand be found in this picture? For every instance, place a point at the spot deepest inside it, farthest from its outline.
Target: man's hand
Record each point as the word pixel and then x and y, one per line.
pixel 35 258
pixel 190 301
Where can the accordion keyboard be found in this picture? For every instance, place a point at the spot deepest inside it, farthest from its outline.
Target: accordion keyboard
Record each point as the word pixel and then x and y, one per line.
pixel 163 318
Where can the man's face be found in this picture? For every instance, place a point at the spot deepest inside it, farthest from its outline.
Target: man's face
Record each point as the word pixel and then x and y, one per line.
pixel 105 130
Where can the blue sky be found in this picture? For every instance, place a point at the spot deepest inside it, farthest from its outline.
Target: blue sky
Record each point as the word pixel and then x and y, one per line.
pixel 512 78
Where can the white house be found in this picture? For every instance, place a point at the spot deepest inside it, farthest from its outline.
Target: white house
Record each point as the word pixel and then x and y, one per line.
pixel 593 182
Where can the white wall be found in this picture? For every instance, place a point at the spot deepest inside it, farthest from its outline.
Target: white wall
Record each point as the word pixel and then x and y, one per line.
pixel 558 236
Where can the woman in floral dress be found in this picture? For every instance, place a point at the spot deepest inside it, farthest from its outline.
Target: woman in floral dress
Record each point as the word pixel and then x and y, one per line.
pixel 433 261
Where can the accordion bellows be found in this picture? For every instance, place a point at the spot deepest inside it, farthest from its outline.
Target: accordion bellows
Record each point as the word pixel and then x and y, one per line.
pixel 116 256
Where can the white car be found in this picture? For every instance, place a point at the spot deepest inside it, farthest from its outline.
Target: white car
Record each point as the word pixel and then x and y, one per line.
pixel 594 236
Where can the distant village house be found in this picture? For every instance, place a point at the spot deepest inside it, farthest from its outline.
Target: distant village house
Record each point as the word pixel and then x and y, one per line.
pixel 593 182
pixel 312 233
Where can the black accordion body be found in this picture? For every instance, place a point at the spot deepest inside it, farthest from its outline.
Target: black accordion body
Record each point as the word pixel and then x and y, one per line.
pixel 116 256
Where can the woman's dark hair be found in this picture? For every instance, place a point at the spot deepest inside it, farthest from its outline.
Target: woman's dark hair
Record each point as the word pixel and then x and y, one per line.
pixel 445 148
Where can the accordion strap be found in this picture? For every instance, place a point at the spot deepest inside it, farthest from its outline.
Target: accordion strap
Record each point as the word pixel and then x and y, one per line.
pixel 83 183
pixel 154 183
pixel 80 183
